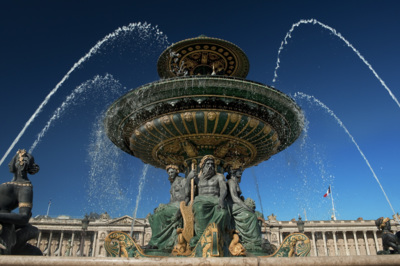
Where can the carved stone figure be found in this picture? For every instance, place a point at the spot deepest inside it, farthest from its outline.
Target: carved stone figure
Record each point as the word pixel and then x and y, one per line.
pixel 167 217
pixel 389 240
pixel 18 193
pixel 245 221
pixel 209 204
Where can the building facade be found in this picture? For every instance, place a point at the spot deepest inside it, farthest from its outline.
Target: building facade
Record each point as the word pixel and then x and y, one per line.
pixel 63 236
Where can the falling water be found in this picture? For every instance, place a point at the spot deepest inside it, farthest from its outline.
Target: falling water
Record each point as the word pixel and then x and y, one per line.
pixel 300 95
pixel 314 22
pixel 145 31
pixel 98 83
pixel 258 189
pixel 105 189
pixel 141 185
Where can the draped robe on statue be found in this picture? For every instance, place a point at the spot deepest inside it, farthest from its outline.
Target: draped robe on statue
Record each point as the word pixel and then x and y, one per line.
pixel 247 224
pixel 206 210
pixel 164 224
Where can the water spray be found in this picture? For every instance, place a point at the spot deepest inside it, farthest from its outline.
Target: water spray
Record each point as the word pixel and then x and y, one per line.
pixel 300 95
pixel 316 22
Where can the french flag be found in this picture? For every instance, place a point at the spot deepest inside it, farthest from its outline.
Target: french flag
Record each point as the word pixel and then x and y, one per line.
pixel 328 192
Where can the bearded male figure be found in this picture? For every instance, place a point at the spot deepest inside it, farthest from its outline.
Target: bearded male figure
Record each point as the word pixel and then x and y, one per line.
pixel 209 204
pixel 167 217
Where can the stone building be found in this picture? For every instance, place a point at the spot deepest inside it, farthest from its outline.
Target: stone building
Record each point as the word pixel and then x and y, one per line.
pixel 63 236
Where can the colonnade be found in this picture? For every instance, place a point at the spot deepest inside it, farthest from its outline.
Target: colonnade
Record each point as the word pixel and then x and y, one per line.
pixel 63 237
pixel 342 242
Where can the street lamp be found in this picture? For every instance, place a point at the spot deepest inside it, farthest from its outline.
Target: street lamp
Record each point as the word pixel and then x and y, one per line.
pixel 85 224
pixel 300 225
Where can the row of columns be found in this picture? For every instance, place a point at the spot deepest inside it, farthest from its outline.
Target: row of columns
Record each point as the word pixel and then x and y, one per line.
pixel 345 240
pixel 313 233
pixel 68 252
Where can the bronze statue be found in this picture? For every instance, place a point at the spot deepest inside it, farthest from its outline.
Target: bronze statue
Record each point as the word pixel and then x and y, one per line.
pixel 244 218
pixel 389 240
pixel 209 204
pixel 18 193
pixel 167 217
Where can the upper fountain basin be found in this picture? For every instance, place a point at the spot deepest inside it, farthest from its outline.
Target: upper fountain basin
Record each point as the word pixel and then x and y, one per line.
pixel 179 120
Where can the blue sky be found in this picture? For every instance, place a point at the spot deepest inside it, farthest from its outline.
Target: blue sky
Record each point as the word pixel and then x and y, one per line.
pixel 42 40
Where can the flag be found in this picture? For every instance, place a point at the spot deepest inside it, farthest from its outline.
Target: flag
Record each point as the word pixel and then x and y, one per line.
pixel 328 192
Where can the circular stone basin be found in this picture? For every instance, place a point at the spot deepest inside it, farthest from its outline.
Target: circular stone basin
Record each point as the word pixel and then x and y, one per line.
pixel 179 120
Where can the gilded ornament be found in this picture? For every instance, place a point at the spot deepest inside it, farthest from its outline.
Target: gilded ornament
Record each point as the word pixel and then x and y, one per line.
pixel 235 248
pixel 234 118
pixel 172 147
pixel 222 150
pixel 149 125
pixel 25 205
pixel 254 122
pixel 190 150
pixel 137 133
pixel 211 116
pixel 267 129
pixel 166 120
pixel 188 116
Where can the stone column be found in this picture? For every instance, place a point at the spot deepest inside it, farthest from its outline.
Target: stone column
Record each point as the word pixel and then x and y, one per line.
pixel 280 237
pixel 72 244
pixel 314 243
pixel 325 246
pixel 39 239
pixel 49 244
pixel 376 242
pixel 58 251
pixel 94 244
pixel 345 243
pixel 366 242
pixel 356 242
pixel 335 242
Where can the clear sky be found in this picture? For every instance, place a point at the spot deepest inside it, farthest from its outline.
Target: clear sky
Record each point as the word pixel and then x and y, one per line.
pixel 82 172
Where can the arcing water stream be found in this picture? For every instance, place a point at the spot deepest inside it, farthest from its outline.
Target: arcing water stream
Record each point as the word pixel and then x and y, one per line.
pixel 300 95
pixel 98 83
pixel 144 30
pixel 316 22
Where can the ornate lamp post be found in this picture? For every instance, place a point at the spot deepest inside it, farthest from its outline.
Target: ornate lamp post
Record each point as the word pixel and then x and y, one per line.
pixel 300 225
pixel 85 224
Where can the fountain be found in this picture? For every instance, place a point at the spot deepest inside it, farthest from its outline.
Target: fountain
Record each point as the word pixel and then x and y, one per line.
pixel 204 113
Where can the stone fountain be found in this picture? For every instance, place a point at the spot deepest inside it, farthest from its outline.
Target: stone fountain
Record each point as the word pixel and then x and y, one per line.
pixel 204 112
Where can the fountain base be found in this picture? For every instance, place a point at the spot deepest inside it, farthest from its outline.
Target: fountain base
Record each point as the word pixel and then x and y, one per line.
pixel 75 261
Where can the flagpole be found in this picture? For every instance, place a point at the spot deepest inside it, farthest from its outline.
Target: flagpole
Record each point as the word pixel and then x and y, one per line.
pixel 48 208
pixel 333 206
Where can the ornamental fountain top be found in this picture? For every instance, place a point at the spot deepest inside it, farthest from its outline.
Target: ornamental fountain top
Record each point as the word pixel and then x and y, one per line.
pixel 203 106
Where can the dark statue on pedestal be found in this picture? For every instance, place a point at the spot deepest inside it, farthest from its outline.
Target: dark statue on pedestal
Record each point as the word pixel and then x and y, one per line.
pixel 389 240
pixel 18 193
